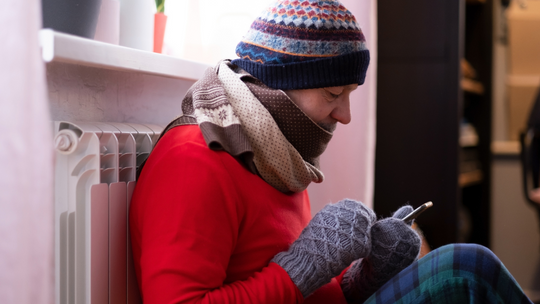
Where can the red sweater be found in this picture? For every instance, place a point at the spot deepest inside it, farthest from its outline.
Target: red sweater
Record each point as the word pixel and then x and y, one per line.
pixel 204 229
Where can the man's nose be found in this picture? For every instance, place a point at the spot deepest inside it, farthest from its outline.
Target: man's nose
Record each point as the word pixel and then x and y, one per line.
pixel 342 113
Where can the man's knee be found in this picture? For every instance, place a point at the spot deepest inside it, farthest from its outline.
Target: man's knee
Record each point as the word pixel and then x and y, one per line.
pixel 476 259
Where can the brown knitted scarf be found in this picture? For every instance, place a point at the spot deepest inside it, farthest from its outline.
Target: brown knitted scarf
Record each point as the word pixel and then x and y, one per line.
pixel 259 126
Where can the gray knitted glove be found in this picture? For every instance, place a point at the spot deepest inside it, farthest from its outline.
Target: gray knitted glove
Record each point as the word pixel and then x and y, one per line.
pixel 335 237
pixel 395 245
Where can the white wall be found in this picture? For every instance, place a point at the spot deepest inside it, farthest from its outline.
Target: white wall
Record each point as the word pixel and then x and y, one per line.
pixel 208 30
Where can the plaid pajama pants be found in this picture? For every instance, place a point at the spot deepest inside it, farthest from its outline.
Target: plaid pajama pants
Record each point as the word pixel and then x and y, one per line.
pixel 458 273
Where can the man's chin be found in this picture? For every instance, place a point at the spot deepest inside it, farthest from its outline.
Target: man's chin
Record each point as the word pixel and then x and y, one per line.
pixel 330 127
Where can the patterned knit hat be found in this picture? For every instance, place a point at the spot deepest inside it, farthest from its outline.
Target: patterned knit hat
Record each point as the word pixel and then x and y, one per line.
pixel 304 44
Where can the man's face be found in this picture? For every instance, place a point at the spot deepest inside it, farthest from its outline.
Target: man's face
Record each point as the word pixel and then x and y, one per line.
pixel 325 106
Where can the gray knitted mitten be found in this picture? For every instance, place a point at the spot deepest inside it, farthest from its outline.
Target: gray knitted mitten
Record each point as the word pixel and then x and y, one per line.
pixel 335 237
pixel 394 246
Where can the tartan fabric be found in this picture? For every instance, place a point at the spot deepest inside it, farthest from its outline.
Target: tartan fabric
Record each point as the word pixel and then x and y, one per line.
pixel 458 273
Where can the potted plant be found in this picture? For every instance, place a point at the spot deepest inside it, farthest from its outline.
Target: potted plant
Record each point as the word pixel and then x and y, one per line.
pixel 160 20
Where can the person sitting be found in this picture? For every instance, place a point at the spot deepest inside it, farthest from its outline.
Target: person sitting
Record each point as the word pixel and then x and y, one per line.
pixel 220 213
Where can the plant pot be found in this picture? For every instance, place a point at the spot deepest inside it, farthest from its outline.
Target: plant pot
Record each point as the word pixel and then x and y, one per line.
pixel 160 21
pixel 76 17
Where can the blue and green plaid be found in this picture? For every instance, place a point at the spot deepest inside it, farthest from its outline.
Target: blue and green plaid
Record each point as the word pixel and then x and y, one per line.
pixel 458 273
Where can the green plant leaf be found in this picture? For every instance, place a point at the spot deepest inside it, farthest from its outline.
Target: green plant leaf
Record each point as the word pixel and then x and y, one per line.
pixel 160 5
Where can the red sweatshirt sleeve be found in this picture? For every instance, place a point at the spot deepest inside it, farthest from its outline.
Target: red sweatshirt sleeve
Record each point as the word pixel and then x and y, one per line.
pixel 185 219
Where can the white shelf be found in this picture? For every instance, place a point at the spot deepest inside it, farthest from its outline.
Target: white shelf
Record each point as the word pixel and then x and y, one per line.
pixel 60 47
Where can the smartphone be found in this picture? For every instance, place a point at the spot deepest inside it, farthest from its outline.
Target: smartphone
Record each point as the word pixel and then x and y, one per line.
pixel 416 212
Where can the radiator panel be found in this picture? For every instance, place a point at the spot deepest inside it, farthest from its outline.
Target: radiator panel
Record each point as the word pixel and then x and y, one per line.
pixel 95 173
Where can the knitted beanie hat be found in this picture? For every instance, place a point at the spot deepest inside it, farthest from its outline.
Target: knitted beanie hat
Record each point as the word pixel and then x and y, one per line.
pixel 304 44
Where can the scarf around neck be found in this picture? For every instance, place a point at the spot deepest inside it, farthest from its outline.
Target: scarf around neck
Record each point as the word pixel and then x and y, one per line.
pixel 259 126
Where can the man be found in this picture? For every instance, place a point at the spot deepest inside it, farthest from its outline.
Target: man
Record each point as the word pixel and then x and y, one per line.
pixel 221 212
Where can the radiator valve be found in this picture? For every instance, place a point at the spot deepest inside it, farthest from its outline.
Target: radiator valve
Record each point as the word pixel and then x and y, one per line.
pixel 66 141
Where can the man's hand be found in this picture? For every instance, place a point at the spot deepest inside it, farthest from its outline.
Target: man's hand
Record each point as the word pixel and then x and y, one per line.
pixel 395 245
pixel 335 237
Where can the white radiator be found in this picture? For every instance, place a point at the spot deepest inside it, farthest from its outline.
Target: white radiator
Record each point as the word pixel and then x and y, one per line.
pixel 94 178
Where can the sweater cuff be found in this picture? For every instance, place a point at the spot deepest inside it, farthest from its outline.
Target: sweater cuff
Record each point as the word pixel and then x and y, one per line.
pixel 339 278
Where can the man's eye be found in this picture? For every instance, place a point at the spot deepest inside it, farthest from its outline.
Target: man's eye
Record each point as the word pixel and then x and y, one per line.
pixel 332 94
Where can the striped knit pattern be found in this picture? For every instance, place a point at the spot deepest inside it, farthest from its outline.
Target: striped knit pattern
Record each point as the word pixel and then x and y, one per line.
pixel 314 33
pixel 292 31
pixel 459 273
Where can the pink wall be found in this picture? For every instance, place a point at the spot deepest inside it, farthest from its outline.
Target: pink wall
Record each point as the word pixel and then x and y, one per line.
pixel 348 163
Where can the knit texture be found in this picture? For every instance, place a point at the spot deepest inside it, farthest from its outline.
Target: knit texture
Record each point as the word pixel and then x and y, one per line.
pixel 276 159
pixel 394 246
pixel 304 44
pixel 335 237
